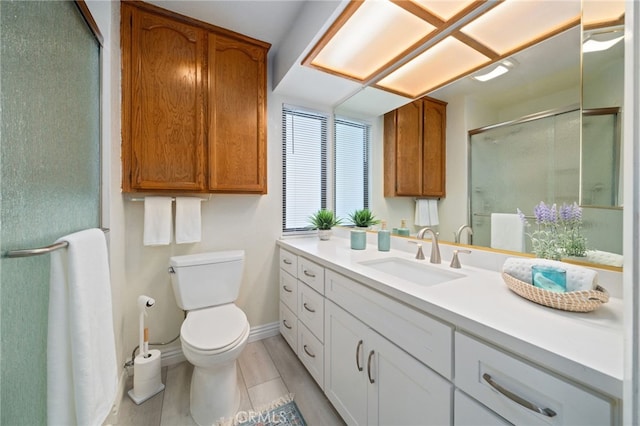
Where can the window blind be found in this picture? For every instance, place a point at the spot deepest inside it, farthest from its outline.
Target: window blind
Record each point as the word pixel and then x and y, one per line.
pixel 351 171
pixel 304 166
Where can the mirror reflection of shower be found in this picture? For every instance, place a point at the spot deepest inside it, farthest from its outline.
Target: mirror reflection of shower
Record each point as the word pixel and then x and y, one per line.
pixel 517 164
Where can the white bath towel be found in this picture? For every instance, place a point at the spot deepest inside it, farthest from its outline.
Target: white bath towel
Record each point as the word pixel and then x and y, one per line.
pixel 578 278
pixel 604 258
pixel 426 212
pixel 81 354
pixel 157 221
pixel 188 220
pixel 507 232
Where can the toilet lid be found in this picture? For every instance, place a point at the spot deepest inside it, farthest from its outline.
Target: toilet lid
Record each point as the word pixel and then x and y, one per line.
pixel 213 329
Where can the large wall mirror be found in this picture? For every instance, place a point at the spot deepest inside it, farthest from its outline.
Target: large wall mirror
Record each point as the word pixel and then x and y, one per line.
pixel 558 103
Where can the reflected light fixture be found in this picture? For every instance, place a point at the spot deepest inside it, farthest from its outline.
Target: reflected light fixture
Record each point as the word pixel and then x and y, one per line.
pixel 592 45
pixel 502 68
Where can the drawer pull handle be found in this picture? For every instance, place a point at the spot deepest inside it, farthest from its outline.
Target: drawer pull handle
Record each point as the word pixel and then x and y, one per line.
pixel 515 398
pixel 371 379
pixel 313 311
pixel 307 351
pixel 287 262
pixel 309 274
pixel 358 355
pixel 286 325
pixel 287 289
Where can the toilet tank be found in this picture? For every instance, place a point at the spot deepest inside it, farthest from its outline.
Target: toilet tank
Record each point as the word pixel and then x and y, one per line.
pixel 206 279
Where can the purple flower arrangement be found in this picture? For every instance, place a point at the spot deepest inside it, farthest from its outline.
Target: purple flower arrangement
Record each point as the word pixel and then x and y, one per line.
pixel 559 231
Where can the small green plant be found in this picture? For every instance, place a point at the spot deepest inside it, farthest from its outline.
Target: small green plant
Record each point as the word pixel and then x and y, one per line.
pixel 323 219
pixel 363 218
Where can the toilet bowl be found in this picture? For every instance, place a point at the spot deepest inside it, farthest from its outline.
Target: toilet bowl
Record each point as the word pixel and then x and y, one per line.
pixel 212 339
pixel 214 332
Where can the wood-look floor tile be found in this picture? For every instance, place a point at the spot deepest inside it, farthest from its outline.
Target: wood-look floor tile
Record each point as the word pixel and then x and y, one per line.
pixel 267 392
pixel 146 414
pixel 256 364
pixel 313 404
pixel 175 410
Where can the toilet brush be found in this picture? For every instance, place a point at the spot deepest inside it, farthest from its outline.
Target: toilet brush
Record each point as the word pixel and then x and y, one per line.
pixel 146 367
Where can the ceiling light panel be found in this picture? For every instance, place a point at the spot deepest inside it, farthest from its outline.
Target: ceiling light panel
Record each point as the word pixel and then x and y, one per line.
pixel 445 10
pixel 516 23
pixel 372 37
pixel 595 12
pixel 437 66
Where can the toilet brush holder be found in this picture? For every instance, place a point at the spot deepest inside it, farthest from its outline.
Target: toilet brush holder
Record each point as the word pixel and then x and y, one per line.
pixel 147 381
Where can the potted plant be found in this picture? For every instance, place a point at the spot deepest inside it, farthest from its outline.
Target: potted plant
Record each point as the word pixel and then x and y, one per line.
pixel 323 220
pixel 362 219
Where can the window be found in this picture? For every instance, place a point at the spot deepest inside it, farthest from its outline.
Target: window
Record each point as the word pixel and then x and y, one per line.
pixel 351 171
pixel 304 166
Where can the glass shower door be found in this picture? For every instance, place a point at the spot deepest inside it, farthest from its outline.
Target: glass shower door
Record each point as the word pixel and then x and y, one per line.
pixel 49 178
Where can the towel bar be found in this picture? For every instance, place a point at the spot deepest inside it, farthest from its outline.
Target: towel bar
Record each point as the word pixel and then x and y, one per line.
pixel 41 250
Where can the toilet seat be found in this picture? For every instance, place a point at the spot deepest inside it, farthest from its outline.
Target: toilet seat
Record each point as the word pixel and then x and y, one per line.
pixel 214 330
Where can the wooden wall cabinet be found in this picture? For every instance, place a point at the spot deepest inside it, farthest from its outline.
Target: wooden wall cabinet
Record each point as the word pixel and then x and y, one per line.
pixel 414 149
pixel 193 105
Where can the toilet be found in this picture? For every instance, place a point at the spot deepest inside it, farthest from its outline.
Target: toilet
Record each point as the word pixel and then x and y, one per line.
pixel 215 330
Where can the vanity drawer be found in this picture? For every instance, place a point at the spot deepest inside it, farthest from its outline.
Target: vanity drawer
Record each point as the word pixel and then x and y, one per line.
pixel 311 310
pixel 289 326
pixel 468 412
pixel 288 262
pixel 311 274
pixel 427 339
pixel 498 380
pixel 289 291
pixel 311 353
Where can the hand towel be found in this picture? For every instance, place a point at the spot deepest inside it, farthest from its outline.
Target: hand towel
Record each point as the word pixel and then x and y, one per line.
pixel 604 258
pixel 188 220
pixel 507 232
pixel 579 278
pixel 81 354
pixel 426 212
pixel 157 221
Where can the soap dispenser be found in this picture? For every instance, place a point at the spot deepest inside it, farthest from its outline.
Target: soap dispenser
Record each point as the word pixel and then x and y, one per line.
pixel 384 237
pixel 403 230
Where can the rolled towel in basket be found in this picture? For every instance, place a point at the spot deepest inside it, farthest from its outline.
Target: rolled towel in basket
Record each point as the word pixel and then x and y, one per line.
pixel 578 277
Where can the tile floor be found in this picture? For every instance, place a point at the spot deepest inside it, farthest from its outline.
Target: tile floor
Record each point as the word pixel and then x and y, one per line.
pixel 268 369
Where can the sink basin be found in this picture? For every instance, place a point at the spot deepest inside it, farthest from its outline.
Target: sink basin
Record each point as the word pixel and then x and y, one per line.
pixel 418 273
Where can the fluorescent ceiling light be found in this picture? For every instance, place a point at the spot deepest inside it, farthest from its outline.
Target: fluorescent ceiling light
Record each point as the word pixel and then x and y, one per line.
pixel 592 45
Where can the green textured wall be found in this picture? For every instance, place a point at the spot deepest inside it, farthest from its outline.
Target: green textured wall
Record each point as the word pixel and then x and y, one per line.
pixel 49 178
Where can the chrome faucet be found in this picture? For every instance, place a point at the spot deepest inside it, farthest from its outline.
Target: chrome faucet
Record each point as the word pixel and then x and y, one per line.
pixel 458 233
pixel 435 248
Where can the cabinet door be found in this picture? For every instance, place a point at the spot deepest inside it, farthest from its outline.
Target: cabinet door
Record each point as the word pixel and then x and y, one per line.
pixel 404 391
pixel 163 103
pixel 344 369
pixel 433 152
pixel 408 149
pixel 237 116
pixel 468 412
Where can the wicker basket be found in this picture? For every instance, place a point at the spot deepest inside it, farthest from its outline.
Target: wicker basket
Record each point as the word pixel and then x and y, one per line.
pixel 575 301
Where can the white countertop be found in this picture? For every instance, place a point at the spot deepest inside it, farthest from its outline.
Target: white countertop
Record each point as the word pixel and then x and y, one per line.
pixel 587 347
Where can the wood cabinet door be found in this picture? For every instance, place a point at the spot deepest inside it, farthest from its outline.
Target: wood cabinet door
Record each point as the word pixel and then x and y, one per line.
pixel 408 149
pixel 433 151
pixel 163 103
pixel 237 116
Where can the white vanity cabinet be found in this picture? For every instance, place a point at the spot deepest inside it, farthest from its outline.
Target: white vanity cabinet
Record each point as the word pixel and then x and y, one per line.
pixel 371 381
pixel 468 412
pixel 523 393
pixel 302 310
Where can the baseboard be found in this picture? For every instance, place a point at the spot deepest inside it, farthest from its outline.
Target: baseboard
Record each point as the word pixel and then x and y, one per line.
pixel 263 331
